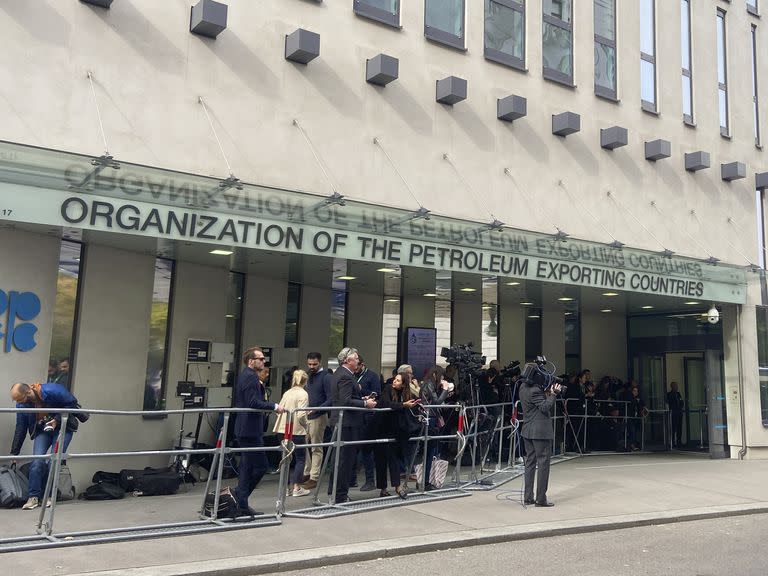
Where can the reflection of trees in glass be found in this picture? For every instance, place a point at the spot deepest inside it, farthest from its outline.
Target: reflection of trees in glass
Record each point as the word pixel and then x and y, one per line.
pixel 557 48
pixel 336 333
pixel 503 29
pixel 64 316
pixel 446 15
pixel 158 330
pixel 605 66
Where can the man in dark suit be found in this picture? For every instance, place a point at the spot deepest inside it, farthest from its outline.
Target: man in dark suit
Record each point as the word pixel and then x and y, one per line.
pixel 249 427
pixel 346 392
pixel 537 432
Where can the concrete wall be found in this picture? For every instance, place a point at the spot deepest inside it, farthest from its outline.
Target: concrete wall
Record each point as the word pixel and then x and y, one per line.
pixel 111 358
pixel 17 250
pixel 364 326
pixel 253 94
pixel 604 344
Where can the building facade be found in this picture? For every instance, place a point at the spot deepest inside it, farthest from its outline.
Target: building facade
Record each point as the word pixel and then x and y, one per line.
pixel 582 179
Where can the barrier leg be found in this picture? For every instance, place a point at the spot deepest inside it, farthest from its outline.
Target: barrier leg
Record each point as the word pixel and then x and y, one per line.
pixel 51 486
pixel 337 459
pixel 214 466
pixel 285 465
pixel 326 462
pixel 222 446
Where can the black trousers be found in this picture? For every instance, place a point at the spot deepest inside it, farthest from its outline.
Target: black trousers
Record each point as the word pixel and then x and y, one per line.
pixel 537 454
pixel 347 461
pixel 389 458
pixel 677 428
pixel 253 466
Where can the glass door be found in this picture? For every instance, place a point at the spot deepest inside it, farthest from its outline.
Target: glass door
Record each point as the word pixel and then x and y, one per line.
pixel 649 371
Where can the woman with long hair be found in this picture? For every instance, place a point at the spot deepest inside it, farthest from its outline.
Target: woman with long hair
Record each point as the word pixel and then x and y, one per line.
pixel 397 424
pixel 434 391
pixel 296 398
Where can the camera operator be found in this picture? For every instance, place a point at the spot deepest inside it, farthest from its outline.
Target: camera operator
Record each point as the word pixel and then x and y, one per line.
pixel 538 398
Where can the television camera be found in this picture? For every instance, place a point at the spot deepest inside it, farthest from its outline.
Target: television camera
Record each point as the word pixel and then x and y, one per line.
pixel 537 374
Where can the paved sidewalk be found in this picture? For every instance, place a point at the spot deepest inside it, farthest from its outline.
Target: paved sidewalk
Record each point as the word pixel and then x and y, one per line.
pixel 591 493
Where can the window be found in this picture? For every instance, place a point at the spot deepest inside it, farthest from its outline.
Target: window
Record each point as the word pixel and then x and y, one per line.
pixel 534 330
pixel 505 32
pixel 687 64
pixel 444 22
pixel 762 360
pixel 385 11
pixel 752 7
pixel 159 320
pixel 293 300
pixel 338 323
pixel 760 211
pixel 648 55
pixel 234 328
pixel 755 107
pixel 557 41
pixel 722 73
pixel 65 312
pixel 572 327
pixel 605 48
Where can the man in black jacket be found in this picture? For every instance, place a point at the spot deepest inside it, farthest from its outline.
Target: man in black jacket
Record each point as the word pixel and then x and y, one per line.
pixel 319 391
pixel 346 392
pixel 249 427
pixel 537 433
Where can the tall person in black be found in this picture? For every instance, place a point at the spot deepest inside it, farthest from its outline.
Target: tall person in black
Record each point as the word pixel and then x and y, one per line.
pixel 537 436
pixel 249 427
pixel 676 407
pixel 347 393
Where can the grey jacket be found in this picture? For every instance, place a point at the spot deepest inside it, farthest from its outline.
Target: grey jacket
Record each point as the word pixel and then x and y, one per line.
pixel 537 407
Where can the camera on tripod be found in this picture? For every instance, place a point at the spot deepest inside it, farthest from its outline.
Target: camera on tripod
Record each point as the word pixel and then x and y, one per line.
pixel 464 357
pixel 511 370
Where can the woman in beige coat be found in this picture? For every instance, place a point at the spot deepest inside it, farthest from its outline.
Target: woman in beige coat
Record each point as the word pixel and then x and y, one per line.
pixel 296 398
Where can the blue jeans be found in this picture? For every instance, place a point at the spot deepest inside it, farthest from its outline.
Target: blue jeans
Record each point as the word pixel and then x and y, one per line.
pixel 38 469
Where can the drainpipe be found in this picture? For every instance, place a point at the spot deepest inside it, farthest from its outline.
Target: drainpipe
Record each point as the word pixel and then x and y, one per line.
pixel 743 450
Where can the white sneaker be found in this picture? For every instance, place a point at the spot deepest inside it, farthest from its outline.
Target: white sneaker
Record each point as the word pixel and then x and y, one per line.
pixel 301 492
pixel 31 504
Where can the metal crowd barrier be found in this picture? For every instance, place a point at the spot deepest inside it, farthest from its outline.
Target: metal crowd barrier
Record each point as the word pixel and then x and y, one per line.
pixel 330 508
pixel 468 435
pixel 47 537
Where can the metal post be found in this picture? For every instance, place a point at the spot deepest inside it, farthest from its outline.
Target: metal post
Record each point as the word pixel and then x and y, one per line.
pixel 626 423
pixel 337 459
pixel 459 453
pixel 424 478
pixel 220 469
pixel 642 433
pixel 500 447
pixel 214 466
pixel 701 428
pixel 51 486
pixel 285 465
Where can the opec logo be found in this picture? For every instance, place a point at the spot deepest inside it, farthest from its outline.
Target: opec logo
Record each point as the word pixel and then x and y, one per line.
pixel 16 311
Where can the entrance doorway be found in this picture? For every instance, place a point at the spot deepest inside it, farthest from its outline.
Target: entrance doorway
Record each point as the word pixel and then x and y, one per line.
pixel 682 349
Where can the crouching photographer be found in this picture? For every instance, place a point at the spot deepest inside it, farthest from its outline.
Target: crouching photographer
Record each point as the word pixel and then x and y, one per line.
pixel 537 395
pixel 43 428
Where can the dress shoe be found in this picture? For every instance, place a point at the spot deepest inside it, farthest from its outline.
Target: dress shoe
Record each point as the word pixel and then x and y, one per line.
pixel 544 504
pixel 248 511
pixel 310 484
pixel 529 502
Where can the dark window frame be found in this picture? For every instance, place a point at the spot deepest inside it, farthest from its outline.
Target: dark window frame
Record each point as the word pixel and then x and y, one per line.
pixel 166 344
pixel 602 91
pixel 651 59
pixel 447 38
pixel 723 86
pixel 502 57
pixel 754 10
pixel 688 72
pixel 377 14
pixel 551 73
pixel 755 84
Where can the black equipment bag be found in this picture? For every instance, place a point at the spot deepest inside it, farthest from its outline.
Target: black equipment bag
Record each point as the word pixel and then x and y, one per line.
pixel 14 487
pixel 103 491
pixel 111 477
pixel 150 481
pixel 227 504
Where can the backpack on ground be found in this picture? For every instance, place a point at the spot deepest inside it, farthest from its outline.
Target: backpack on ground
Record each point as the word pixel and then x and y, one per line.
pixel 66 491
pixel 227 504
pixel 14 487
pixel 103 491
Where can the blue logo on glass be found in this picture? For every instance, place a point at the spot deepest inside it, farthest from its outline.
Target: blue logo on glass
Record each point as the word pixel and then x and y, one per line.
pixel 17 309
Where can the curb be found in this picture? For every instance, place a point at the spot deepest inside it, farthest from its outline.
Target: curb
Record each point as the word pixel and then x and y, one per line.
pixel 318 557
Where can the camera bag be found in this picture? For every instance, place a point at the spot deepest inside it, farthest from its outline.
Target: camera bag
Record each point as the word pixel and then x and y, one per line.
pixel 14 487
pixel 150 481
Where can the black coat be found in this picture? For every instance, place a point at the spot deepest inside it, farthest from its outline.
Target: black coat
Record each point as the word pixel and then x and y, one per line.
pixel 345 391
pixel 400 422
pixel 250 394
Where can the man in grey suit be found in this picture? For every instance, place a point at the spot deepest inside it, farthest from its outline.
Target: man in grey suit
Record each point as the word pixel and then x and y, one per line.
pixel 537 434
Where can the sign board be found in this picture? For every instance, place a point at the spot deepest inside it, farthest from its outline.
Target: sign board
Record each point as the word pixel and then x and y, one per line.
pixel 420 346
